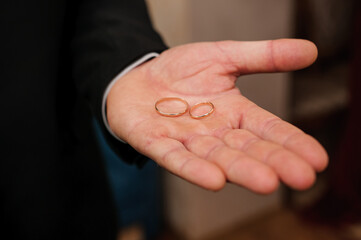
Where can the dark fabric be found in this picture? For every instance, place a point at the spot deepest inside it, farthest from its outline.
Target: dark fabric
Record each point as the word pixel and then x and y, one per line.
pixel 57 57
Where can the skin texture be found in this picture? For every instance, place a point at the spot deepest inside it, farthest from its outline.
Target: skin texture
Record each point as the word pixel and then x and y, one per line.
pixel 240 142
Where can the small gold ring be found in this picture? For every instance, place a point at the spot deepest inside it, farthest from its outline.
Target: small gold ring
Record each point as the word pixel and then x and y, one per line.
pixel 203 115
pixel 171 99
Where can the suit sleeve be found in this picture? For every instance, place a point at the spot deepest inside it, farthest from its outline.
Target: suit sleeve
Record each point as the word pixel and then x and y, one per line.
pixel 109 35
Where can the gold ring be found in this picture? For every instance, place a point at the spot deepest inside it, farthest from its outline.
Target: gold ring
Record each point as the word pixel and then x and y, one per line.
pixel 171 99
pixel 203 115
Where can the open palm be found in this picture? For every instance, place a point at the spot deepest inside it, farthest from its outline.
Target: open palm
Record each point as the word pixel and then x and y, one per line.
pixel 239 142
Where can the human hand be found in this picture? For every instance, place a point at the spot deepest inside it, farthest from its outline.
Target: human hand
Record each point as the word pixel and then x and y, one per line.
pixel 240 142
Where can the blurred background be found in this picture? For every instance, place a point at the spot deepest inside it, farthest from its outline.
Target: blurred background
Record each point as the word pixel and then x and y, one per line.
pixel 323 100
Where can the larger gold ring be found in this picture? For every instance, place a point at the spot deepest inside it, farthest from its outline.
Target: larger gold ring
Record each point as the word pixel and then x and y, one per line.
pixel 177 114
pixel 203 115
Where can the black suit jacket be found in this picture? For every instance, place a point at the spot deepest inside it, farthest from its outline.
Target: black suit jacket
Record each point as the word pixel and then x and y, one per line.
pixel 57 57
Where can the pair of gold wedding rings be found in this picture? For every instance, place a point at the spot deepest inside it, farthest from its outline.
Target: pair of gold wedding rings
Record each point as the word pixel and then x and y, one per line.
pixel 186 108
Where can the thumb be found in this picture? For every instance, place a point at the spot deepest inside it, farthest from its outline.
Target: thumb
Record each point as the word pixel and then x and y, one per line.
pixel 269 56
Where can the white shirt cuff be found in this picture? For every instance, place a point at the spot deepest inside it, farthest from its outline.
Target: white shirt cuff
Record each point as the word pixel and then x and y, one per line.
pixel 121 74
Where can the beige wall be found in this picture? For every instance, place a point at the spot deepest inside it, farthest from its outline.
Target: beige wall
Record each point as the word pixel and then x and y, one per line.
pixel 172 18
pixel 193 212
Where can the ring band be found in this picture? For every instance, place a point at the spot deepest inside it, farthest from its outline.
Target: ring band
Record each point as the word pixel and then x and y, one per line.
pixel 203 115
pixel 171 99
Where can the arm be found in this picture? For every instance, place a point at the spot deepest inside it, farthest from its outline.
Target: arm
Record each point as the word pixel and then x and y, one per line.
pixel 239 142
